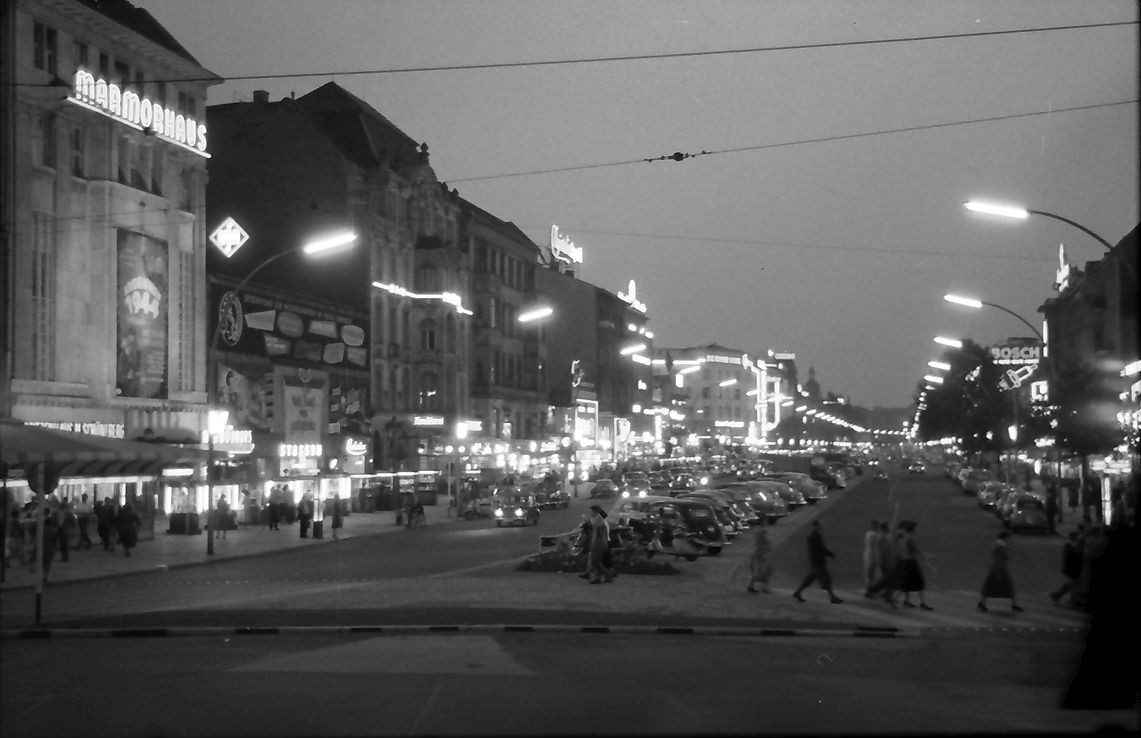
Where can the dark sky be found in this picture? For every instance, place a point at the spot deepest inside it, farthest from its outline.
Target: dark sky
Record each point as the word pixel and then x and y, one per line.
pixel 826 220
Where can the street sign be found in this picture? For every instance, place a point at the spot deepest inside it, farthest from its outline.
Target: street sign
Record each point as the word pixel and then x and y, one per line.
pixel 229 237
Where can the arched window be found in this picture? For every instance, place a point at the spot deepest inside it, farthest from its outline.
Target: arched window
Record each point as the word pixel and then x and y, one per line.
pixel 428 335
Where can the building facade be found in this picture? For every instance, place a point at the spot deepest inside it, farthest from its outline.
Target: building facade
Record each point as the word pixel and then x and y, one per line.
pixel 105 157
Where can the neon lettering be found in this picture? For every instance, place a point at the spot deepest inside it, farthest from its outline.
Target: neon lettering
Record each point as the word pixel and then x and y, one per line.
pixel 115 101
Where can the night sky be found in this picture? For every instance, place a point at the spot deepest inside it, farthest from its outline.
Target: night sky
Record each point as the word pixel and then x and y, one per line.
pixel 826 218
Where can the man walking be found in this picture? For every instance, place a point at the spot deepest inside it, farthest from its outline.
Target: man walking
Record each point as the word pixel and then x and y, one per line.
pixel 83 512
pixel 818 555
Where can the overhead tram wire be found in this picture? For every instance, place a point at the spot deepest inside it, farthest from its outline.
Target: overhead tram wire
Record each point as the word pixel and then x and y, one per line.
pixel 679 156
pixel 637 57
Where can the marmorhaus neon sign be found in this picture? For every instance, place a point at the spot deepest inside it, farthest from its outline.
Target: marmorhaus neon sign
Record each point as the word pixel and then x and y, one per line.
pixel 125 106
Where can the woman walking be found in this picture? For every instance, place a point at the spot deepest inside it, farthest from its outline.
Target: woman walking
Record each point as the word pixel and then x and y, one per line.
pixel 998 582
pixel 911 568
pixel 872 567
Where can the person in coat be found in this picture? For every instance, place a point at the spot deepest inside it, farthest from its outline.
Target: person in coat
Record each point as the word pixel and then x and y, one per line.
pixel 818 555
pixel 911 568
pixel 599 544
pixel 105 523
pixel 305 514
pixel 998 583
pixel 338 516
pixel 127 523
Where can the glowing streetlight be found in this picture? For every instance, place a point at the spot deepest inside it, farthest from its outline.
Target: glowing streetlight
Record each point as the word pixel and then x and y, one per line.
pixel 965 301
pixel 940 365
pixel 632 349
pixel 979 304
pixel 1020 213
pixel 330 243
pixel 728 382
pixel 536 314
pixel 933 378
pixel 945 341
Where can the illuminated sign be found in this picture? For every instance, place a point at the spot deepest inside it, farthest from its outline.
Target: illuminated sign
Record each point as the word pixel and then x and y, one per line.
pixel 353 447
pixel 229 237
pixel 1013 378
pixel 1016 354
pixel 427 421
pixel 105 430
pixel 563 249
pixel 1065 270
pixel 784 357
pixel 1040 391
pixel 299 450
pixel 140 113
pixel 730 424
pixel 631 296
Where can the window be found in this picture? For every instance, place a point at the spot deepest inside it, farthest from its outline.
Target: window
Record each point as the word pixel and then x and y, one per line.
pixel 493 313
pixel 481 256
pixel 124 160
pixel 705 393
pixel 122 74
pixel 81 54
pixel 104 64
pixel 77 152
pixel 162 93
pixel 429 396
pixel 140 167
pixel 43 297
pixel 428 335
pixel 47 140
pixel 45 50
pixel 140 82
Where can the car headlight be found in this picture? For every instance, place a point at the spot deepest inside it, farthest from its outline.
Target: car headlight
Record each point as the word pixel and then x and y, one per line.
pixel 626 494
pixel 642 493
pixel 498 513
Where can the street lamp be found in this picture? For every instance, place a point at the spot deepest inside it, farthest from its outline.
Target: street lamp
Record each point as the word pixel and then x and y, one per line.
pixel 310 248
pixel 979 304
pixel 945 341
pixel 1021 213
pixel 535 314
pixel 940 365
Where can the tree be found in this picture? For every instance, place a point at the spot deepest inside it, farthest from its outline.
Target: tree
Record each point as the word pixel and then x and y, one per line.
pixel 1086 398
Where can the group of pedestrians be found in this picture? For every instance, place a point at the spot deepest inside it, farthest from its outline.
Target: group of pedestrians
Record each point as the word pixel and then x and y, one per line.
pixel 894 564
pixel 594 540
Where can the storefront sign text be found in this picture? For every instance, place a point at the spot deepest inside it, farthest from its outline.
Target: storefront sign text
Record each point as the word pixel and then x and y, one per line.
pixel 105 430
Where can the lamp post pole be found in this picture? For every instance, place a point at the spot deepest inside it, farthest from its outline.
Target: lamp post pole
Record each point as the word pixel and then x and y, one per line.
pixel 314 247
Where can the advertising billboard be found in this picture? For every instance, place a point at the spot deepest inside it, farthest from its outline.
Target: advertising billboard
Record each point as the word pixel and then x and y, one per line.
pixel 142 314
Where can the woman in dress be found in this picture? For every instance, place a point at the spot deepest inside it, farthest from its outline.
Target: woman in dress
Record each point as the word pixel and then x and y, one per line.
pixel 911 568
pixel 998 582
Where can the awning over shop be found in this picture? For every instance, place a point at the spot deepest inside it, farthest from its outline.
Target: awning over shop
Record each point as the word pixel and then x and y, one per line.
pixel 82 455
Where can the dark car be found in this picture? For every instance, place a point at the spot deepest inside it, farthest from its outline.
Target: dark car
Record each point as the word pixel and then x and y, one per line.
pixel 514 507
pixel 1024 511
pixel 549 495
pixel 762 497
pixel 812 490
pixel 604 488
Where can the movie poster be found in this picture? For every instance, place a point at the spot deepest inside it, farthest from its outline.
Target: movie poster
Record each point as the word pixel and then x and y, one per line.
pixel 142 308
pixel 248 398
pixel 304 404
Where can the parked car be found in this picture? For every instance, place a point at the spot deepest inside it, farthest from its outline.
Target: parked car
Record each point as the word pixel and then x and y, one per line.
pixel 682 482
pixel 812 490
pixel 659 480
pixel 1025 511
pixel 990 492
pixel 724 507
pixel 792 498
pixel 549 495
pixel 973 479
pixel 697 516
pixel 604 488
pixel 765 501
pixel 635 484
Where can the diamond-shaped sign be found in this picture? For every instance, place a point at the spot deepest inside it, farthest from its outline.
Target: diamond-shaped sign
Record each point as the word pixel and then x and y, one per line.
pixel 229 237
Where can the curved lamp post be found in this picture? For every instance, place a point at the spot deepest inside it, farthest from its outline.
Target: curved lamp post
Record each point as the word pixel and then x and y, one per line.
pixel 218 418
pixel 1020 213
pixel 979 304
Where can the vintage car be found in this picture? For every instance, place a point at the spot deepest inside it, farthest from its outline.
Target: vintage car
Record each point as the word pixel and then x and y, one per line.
pixel 1024 511
pixel 549 495
pixel 514 506
pixel 604 488
pixel 812 490
pixel 763 498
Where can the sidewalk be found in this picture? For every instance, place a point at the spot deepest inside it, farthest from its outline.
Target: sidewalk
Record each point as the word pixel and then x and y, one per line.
pixel 174 550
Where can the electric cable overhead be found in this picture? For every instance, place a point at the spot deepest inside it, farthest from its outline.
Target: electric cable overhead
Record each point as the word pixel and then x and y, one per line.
pixel 636 57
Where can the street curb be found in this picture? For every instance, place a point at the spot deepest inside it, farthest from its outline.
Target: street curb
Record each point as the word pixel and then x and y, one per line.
pixel 69 633
pixel 157 568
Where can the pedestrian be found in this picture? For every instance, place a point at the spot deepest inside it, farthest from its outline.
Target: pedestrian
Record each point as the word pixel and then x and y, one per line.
pixel 871 555
pixel 105 523
pixel 599 543
pixel 911 568
pixel 1093 547
pixel 889 569
pixel 51 531
pixel 338 516
pixel 1052 509
pixel 67 523
pixel 583 544
pixel 127 523
pixel 760 570
pixel 83 513
pixel 998 583
pixel 818 555
pixel 1071 569
pixel 221 520
pixel 274 508
pixel 1091 497
pixel 305 513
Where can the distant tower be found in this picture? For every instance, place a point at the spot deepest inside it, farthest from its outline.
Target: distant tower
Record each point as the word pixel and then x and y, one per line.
pixel 812 387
